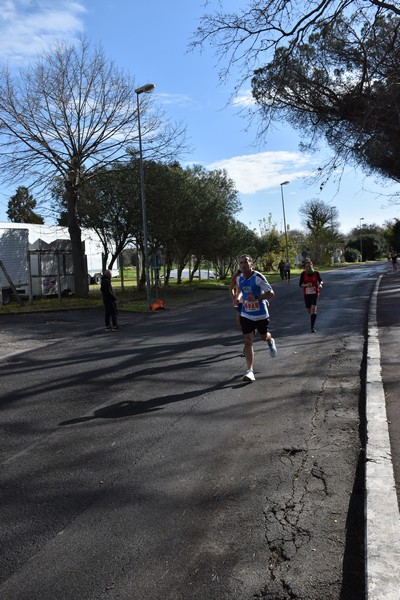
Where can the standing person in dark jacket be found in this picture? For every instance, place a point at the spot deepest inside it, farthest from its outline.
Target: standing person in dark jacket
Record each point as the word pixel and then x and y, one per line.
pixel 110 302
pixel 286 271
pixel 281 268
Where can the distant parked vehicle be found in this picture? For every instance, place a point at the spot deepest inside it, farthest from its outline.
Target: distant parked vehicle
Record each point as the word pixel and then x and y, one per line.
pixel 204 274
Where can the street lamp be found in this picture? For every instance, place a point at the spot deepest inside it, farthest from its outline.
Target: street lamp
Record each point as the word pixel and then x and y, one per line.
pixel 333 208
pixel 144 89
pixel 284 219
pixel 361 219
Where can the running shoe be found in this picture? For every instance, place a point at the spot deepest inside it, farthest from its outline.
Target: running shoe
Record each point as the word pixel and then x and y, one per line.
pixel 272 348
pixel 249 376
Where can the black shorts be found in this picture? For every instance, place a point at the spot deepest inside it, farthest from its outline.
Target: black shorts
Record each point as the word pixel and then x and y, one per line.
pixel 310 300
pixel 249 326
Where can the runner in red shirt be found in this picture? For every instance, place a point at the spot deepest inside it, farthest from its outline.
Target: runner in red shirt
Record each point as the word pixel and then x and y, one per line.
pixel 311 282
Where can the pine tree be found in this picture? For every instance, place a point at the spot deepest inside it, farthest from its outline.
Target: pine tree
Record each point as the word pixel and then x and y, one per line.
pixel 21 207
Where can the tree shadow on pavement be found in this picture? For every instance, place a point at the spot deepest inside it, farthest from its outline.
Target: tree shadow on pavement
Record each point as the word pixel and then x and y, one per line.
pixel 132 408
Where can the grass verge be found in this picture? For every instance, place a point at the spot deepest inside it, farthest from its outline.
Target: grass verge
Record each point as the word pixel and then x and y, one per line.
pixel 129 298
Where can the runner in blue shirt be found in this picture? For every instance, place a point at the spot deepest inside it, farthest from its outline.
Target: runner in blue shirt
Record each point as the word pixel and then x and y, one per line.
pixel 254 290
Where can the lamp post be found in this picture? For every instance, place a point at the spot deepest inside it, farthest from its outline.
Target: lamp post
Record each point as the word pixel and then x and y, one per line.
pixel 333 208
pixel 361 219
pixel 144 89
pixel 284 219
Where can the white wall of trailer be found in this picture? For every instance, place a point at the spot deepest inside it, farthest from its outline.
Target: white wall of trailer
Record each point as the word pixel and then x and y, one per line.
pixel 14 246
pixel 14 264
pixel 50 233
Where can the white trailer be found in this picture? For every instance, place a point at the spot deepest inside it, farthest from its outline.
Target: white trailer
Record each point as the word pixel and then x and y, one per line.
pixel 50 233
pixel 49 270
pixel 52 272
pixel 14 263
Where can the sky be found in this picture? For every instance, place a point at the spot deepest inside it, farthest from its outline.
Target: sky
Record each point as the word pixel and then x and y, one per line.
pixel 150 40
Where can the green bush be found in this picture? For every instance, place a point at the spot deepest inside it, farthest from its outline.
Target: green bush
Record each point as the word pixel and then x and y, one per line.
pixel 352 255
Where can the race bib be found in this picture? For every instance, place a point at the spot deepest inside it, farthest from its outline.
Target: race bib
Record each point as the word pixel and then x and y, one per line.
pixel 311 290
pixel 251 306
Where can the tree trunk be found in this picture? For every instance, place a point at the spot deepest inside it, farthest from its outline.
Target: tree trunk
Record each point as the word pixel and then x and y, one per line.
pixel 196 267
pixel 81 281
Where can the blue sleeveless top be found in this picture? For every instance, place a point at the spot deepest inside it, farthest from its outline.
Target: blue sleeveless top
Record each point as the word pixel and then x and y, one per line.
pixel 257 284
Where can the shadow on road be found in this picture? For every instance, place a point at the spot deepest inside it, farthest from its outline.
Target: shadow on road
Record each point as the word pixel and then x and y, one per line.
pixel 133 408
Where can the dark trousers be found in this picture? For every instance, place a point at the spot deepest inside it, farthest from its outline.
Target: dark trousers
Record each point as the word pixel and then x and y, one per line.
pixel 111 313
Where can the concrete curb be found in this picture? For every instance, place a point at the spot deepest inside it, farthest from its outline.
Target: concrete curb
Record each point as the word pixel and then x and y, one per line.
pixel 381 507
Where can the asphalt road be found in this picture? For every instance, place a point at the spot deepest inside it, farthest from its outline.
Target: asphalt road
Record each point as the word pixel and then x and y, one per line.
pixel 138 464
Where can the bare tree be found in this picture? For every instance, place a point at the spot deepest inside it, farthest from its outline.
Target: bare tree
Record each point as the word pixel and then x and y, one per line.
pixel 70 113
pixel 327 67
pixel 343 85
pixel 250 37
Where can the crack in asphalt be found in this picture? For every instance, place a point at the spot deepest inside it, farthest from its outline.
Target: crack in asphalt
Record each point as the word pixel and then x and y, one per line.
pixel 284 532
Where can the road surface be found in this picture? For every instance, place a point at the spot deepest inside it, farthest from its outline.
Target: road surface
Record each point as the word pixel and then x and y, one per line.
pixel 138 464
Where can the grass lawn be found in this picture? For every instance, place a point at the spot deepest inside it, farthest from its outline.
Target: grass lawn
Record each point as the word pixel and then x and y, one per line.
pixel 130 298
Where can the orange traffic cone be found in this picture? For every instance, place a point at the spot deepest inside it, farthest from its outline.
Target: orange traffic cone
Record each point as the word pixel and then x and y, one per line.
pixel 158 305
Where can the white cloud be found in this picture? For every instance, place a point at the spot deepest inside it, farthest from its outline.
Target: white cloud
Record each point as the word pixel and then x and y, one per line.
pixel 180 100
pixel 244 98
pixel 29 27
pixel 253 173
